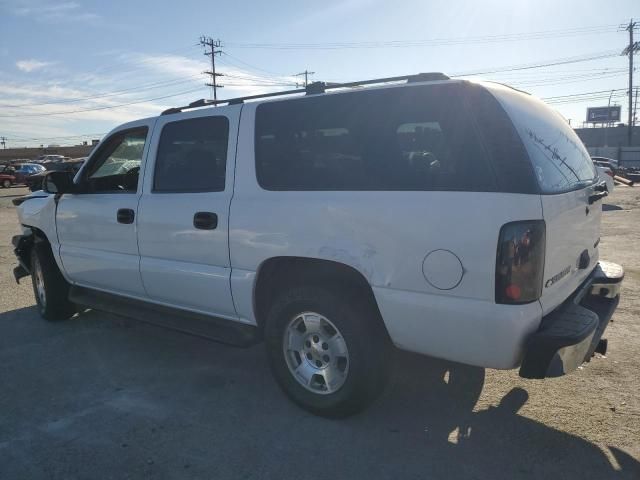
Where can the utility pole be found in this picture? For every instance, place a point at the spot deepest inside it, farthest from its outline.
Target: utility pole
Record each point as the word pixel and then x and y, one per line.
pixel 3 141
pixel 608 124
pixel 306 74
pixel 214 49
pixel 630 51
pixel 635 107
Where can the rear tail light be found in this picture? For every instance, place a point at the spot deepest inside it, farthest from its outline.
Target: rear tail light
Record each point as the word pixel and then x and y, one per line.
pixel 520 262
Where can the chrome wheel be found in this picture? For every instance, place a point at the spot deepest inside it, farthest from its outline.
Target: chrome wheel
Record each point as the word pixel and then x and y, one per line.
pixel 316 353
pixel 39 283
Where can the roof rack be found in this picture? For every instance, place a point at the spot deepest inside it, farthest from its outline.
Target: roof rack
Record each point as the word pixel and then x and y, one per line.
pixel 311 89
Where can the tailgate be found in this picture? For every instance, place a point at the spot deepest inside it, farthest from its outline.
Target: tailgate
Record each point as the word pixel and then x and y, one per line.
pixel 573 233
pixel 566 178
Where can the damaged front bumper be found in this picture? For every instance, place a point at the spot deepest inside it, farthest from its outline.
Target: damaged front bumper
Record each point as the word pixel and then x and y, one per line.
pixel 22 247
pixel 570 335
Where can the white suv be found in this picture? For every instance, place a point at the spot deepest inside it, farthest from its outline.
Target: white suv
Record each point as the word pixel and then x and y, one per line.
pixel 454 219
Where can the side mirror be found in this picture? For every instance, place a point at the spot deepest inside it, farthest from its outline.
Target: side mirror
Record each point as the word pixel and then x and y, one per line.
pixel 58 182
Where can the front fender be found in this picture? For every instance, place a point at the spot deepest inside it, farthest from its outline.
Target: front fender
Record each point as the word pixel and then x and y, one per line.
pixel 38 210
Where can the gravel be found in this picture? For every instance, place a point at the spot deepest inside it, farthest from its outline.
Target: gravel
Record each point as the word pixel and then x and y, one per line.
pixel 105 397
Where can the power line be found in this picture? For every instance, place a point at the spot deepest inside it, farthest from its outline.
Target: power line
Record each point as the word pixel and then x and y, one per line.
pixel 430 42
pixel 269 77
pixel 564 81
pixel 259 85
pixel 552 63
pixel 583 93
pixel 256 79
pixel 140 63
pixel 583 100
pixel 101 108
pixel 585 97
pixel 252 67
pixel 573 71
pixel 114 93
pixel 521 68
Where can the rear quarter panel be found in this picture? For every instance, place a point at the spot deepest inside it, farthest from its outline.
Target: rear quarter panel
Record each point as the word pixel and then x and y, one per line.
pixel 386 237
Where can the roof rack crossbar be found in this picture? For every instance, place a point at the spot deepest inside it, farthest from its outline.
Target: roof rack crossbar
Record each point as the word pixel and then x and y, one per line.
pixel 311 89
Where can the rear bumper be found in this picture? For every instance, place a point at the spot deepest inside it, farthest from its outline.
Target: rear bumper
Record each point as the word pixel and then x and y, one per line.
pixel 569 335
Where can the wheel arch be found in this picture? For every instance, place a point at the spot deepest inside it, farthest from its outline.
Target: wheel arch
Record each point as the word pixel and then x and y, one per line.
pixel 276 273
pixel 39 236
pixel 24 243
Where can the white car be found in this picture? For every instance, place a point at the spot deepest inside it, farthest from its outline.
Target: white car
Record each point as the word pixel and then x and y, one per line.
pixel 606 175
pixel 50 158
pixel 455 219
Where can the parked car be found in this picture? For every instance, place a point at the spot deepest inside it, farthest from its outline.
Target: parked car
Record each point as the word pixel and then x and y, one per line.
pixel 7 179
pixel 34 182
pixel 605 173
pixel 454 219
pixel 606 162
pixel 50 158
pixel 26 170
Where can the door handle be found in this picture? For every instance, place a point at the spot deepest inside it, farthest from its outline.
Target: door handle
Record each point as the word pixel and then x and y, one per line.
pixel 125 215
pixel 205 220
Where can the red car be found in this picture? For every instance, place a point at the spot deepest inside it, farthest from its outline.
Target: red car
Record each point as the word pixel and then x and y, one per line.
pixel 7 177
pixel 7 180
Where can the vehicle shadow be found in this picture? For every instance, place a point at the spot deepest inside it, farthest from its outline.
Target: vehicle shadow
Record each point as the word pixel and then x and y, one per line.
pixel 497 442
pixel 607 207
pixel 99 387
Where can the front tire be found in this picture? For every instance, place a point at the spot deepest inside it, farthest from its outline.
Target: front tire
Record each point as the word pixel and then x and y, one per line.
pixel 49 286
pixel 328 351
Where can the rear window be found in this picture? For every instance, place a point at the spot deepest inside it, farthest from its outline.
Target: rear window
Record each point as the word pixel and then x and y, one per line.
pixel 412 138
pixel 559 159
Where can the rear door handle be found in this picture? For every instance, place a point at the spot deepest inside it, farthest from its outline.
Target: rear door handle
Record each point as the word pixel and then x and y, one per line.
pixel 126 215
pixel 205 220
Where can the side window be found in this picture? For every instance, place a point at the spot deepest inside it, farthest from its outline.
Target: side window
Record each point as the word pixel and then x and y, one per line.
pixel 559 158
pixel 192 156
pixel 117 164
pixel 411 138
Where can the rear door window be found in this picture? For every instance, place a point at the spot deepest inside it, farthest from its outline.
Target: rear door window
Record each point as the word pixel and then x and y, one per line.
pixel 411 138
pixel 192 156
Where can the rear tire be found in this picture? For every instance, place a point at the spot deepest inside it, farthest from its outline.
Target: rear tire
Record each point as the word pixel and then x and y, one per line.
pixel 328 351
pixel 49 286
pixel 6 183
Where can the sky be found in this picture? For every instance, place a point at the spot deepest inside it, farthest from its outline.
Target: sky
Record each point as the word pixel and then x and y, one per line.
pixel 73 70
